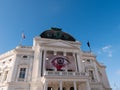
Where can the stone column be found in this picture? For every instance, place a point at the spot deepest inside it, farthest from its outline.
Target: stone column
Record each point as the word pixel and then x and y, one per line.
pixel 64 53
pixel 76 62
pixel 66 68
pixel 61 85
pixel 39 62
pixel 79 62
pixel 44 59
pixel 75 87
pixel 55 53
pixel 45 85
pixel 84 65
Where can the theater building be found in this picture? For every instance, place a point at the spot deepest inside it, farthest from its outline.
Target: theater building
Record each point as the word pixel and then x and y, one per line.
pixel 54 62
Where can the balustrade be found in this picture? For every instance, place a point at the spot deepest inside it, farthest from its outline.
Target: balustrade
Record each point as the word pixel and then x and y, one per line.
pixel 59 73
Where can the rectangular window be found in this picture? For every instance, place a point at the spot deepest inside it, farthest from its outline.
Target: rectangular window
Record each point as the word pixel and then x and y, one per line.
pixel 60 53
pixel 69 54
pixel 22 73
pixel 88 60
pixel 50 52
pixel 25 57
pixel 91 75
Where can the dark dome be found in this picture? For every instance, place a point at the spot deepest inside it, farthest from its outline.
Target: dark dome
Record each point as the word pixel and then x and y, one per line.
pixel 56 33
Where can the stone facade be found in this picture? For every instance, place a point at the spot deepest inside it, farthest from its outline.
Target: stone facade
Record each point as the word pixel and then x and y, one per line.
pixel 51 64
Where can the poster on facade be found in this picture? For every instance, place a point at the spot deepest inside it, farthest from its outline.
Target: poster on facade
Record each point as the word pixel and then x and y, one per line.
pixel 60 63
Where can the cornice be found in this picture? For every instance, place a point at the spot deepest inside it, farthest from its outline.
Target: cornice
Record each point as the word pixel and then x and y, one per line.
pixel 88 54
pixel 91 55
pixel 18 49
pixel 7 54
pixel 24 50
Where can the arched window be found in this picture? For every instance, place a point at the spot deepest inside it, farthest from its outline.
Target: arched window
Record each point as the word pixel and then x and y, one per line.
pixel 71 88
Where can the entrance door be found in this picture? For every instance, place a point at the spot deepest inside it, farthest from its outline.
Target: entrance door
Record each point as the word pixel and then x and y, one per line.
pixel 62 89
pixel 72 88
pixel 50 88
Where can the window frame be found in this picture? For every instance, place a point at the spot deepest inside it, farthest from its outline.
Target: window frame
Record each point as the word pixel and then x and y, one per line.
pixel 92 79
pixel 22 73
pixel 26 72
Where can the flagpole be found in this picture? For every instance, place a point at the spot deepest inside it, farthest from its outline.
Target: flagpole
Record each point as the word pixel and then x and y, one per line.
pixel 20 44
pixel 22 37
pixel 90 49
pixel 89 45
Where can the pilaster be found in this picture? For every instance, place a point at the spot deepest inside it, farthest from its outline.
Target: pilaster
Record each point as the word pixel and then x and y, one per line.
pixel 96 72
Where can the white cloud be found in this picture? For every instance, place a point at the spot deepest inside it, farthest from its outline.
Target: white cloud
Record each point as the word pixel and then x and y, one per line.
pixel 106 50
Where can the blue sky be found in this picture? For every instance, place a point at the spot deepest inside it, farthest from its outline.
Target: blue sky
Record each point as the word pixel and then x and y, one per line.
pixel 95 20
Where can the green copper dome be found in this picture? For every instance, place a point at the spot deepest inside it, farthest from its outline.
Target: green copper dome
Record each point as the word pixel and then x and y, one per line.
pixel 56 33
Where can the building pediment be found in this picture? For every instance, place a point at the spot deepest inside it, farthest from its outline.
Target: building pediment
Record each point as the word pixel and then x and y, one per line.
pixel 60 44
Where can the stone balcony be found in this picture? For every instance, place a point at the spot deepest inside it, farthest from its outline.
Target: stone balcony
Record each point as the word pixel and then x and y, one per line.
pixel 66 74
